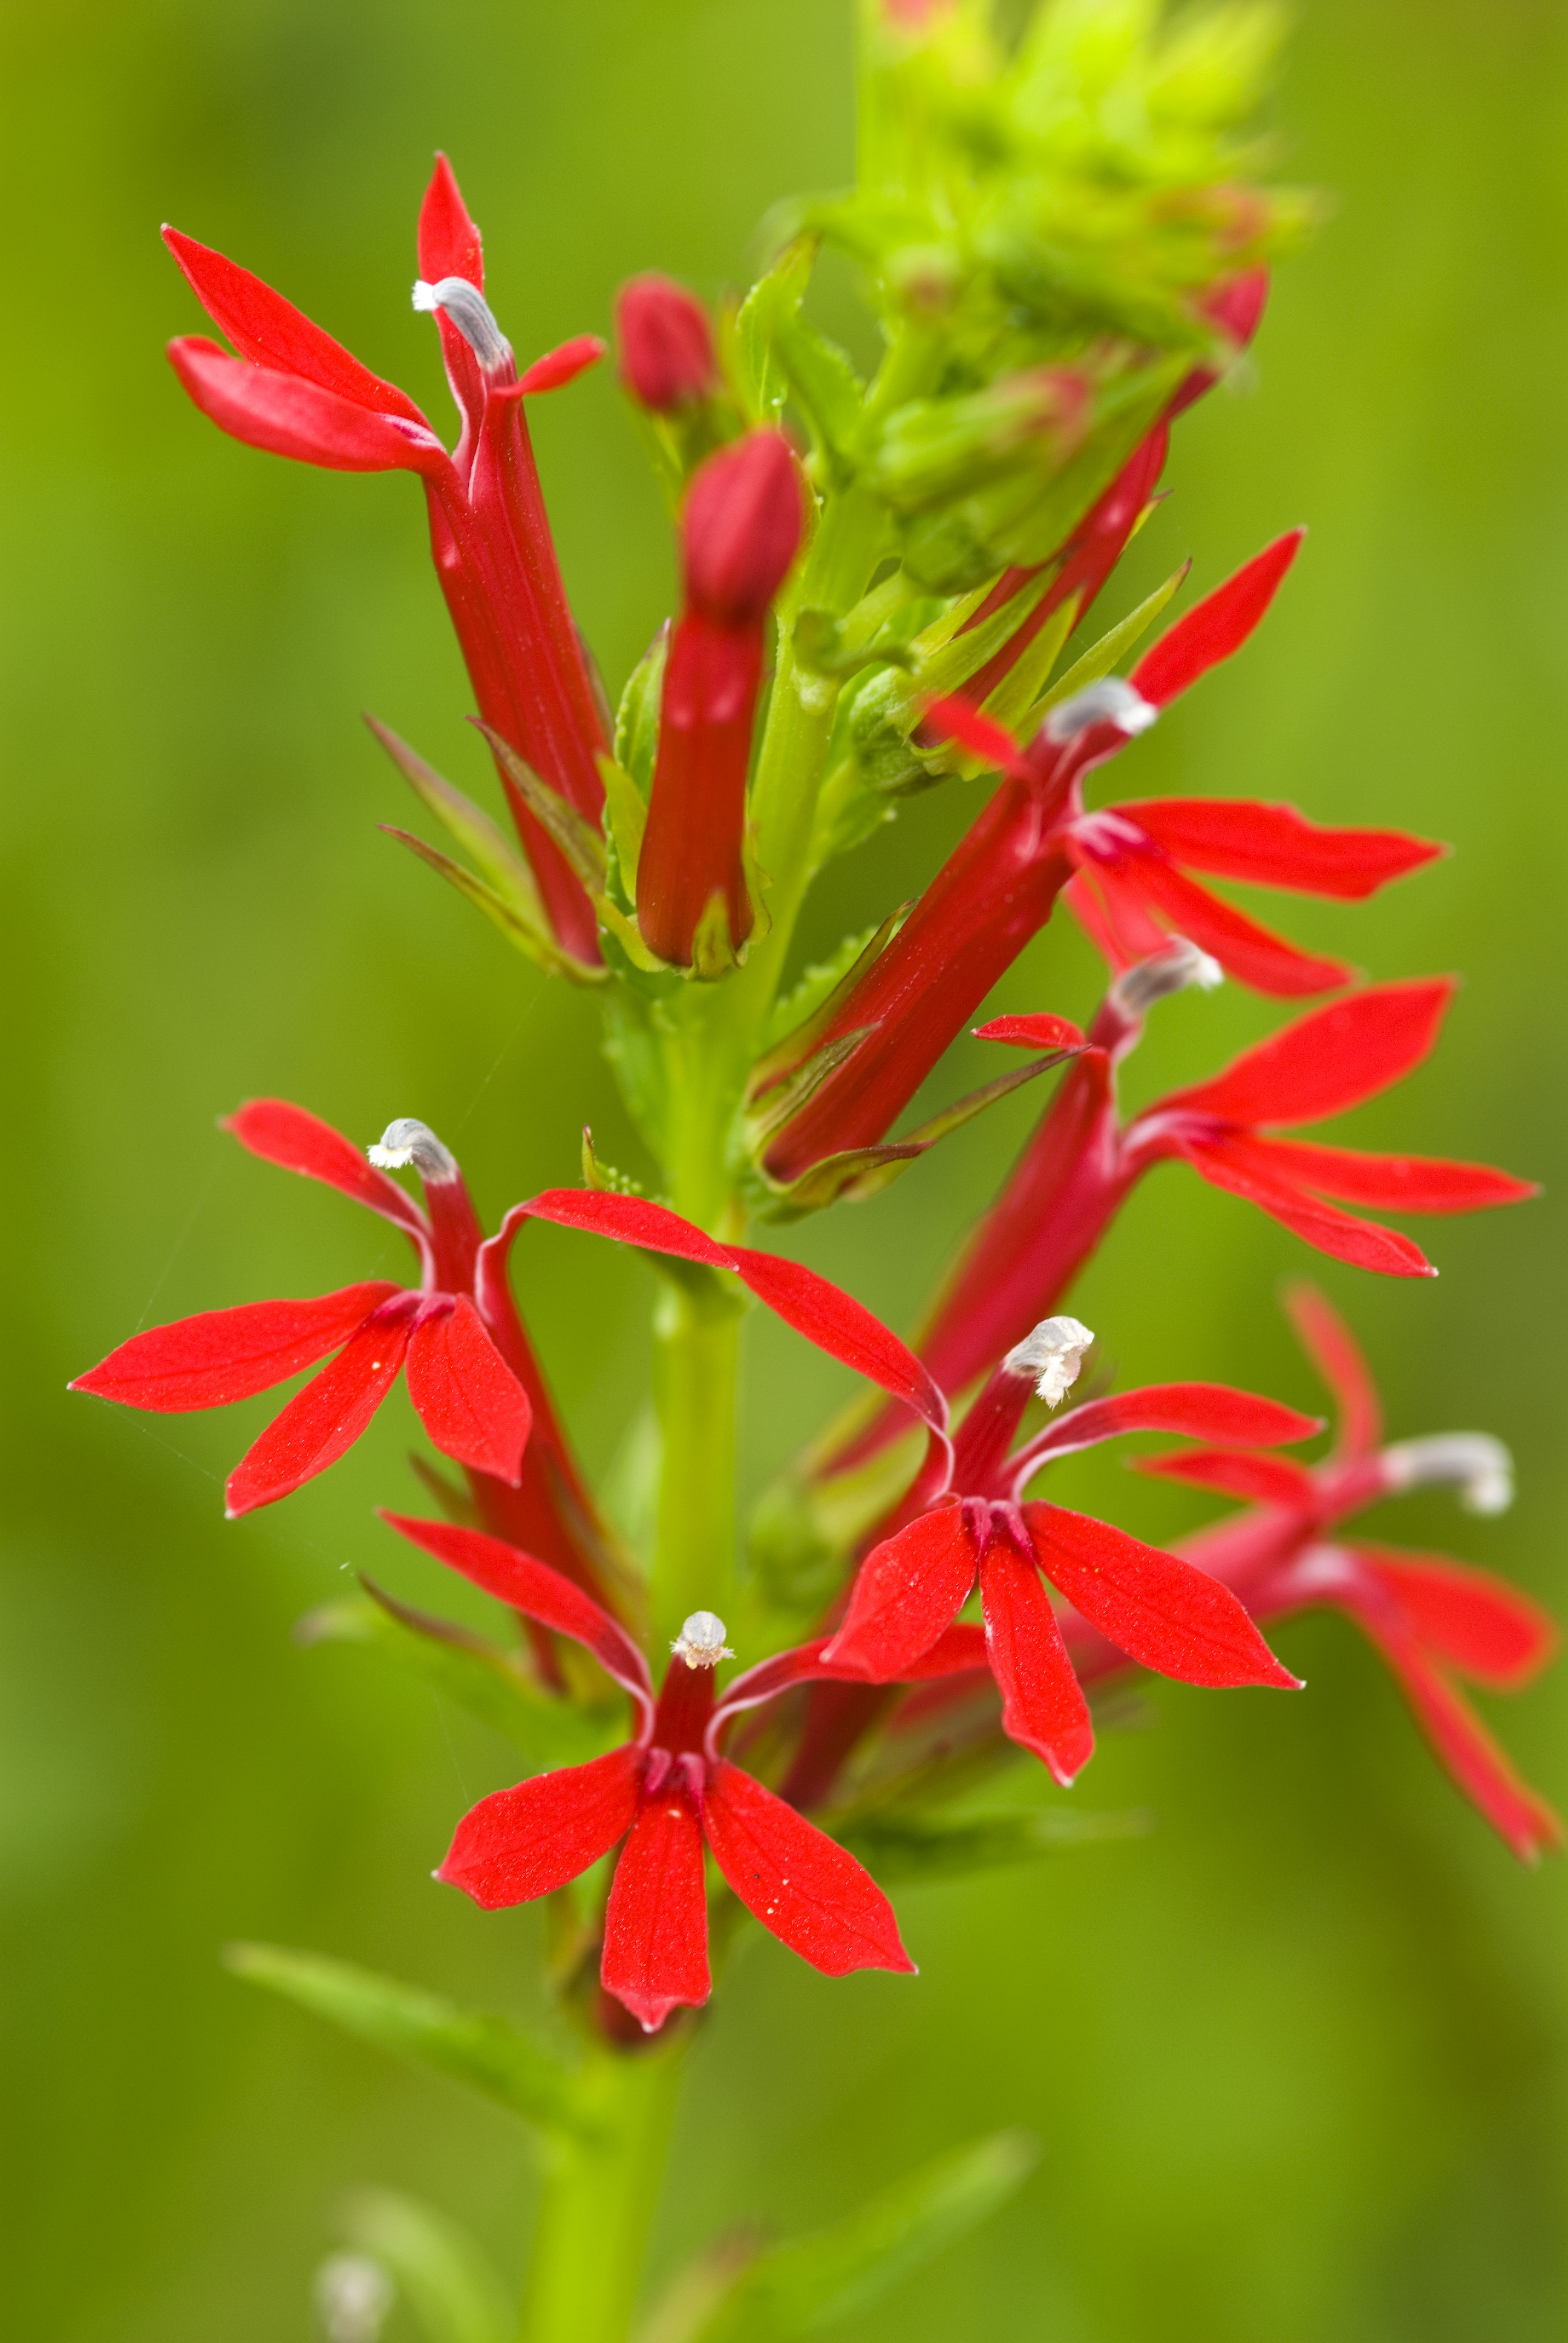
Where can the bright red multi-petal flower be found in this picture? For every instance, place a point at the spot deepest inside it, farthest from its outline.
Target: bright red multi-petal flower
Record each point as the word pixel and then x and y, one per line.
pixel 1157 1609
pixel 470 1373
pixel 1077 1170
pixel 667 1793
pixel 1433 1620
pixel 296 392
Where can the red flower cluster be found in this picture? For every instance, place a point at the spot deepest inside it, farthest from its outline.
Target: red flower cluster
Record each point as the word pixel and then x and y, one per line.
pixel 1121 870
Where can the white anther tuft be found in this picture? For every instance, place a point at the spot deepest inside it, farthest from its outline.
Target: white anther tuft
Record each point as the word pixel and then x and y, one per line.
pixel 700 1643
pixel 406 1141
pixel 1111 701
pixel 354 2296
pixel 471 313
pixel 1180 964
pixel 1478 1466
pixel 1052 1355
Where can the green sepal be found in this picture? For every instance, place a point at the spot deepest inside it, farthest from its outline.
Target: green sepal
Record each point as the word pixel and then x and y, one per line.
pixel 636 719
pixel 827 390
pixel 900 1845
pixel 1103 656
pixel 580 844
pixel 490 2054
pixel 627 816
pixel 538 946
pixel 443 2274
pixel 789 1056
pixel 604 1176
pixel 482 1677
pixel 798 2287
pixel 859 1173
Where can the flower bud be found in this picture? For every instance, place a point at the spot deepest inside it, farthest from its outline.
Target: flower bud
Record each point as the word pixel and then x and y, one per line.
pixel 667 356
pixel 741 528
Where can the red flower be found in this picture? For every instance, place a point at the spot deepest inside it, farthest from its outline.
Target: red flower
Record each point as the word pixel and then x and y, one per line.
pixel 1157 1610
pixel 458 1340
pixel 667 356
pixel 667 1792
pixel 1077 1170
pixel 297 392
pixel 1433 1620
pixel 998 886
pixel 740 532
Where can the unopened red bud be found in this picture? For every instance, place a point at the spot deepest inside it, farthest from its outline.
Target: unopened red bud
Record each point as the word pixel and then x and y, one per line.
pixel 667 357
pixel 741 528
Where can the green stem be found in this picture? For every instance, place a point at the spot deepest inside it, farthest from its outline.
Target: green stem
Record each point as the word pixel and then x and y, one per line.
pixel 696 1359
pixel 599 2202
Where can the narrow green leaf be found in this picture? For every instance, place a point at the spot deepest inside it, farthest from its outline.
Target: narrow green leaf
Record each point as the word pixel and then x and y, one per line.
pixel 443 2274
pixel 490 2054
pixel 636 719
pixel 800 2288
pixel 763 385
pixel 533 942
pixel 628 820
pixel 498 862
pixel 1009 703
pixel 1103 656
pixel 581 845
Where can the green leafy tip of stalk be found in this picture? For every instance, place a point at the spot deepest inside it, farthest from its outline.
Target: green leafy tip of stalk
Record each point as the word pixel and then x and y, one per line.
pixel 810 2283
pixel 490 2054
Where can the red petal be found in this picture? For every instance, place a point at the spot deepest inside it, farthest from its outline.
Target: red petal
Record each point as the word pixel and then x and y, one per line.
pixel 326 1418
pixel 1040 1032
pixel 906 1591
pixel 1253 954
pixel 842 1326
pixel 228 1354
pixel 1398 1183
pixel 958 1651
pixel 1161 1612
pixel 1478 1623
pixel 812 1894
pixel 289 416
pixel 1242 1167
pixel 833 1319
pixel 656 1924
pixel 1336 1354
pixel 533 1588
pixel 285 1134
pixel 1481 1770
pixel 1203 1411
pixel 955 719
pixel 1257 1480
pixel 1329 1060
pixel 468 1398
pixel 1216 626
pixel 1042 1702
pixel 561 365
pixel 273 334
pixel 526 1842
pixel 449 243
pixel 1276 846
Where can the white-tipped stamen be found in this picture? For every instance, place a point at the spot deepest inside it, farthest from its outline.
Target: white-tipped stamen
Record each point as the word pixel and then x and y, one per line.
pixel 406 1141
pixel 1478 1466
pixel 471 313
pixel 700 1643
pixel 1052 1355
pixel 1180 964
pixel 354 2296
pixel 1111 700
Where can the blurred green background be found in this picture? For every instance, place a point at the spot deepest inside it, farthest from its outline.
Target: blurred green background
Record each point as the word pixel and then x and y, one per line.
pixel 1296 2058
